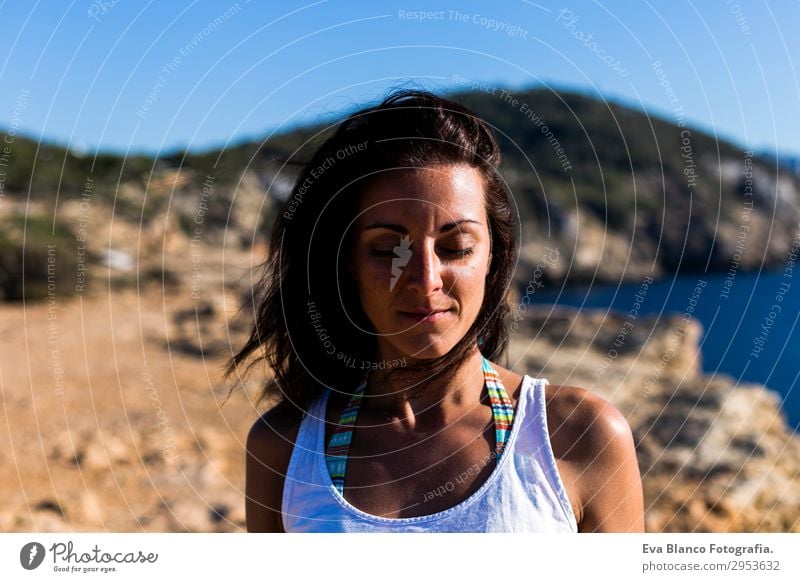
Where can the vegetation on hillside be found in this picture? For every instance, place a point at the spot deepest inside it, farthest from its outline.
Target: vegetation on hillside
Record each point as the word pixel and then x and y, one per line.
pixel 565 154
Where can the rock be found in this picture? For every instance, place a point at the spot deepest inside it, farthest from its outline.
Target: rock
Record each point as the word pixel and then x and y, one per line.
pixel 714 455
pixel 91 509
pixel 189 514
pixel 102 452
pixel 203 330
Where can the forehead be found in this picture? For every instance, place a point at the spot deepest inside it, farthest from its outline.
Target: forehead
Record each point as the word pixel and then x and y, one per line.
pixel 445 191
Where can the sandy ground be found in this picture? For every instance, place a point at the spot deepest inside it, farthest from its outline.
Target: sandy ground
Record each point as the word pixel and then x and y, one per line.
pixel 107 426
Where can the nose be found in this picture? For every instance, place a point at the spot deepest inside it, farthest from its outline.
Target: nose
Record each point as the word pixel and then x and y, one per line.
pixel 424 270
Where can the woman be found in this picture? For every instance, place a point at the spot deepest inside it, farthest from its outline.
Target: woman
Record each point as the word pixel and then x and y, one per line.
pixel 382 316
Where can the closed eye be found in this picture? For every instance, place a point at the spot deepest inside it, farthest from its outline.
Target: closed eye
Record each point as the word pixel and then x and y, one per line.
pixel 457 253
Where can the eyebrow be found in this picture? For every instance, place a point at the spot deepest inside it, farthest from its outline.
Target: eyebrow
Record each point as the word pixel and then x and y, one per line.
pixel 403 230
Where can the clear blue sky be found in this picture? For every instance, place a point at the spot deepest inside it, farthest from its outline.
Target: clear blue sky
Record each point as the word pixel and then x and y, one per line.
pixel 129 75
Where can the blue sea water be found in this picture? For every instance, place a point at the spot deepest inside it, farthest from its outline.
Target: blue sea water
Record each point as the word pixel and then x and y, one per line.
pixel 750 321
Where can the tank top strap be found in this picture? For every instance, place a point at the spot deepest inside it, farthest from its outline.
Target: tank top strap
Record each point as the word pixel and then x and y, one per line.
pixel 339 444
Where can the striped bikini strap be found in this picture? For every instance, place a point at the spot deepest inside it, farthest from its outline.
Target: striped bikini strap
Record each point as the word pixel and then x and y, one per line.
pixel 339 444
pixel 336 456
pixel 502 409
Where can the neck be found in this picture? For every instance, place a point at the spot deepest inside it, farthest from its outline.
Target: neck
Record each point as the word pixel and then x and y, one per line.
pixel 410 398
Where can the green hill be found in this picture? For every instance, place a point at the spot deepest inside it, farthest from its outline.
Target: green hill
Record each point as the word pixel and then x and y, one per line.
pixel 621 194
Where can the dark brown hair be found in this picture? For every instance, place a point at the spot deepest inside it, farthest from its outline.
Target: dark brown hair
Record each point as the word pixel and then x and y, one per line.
pixel 309 325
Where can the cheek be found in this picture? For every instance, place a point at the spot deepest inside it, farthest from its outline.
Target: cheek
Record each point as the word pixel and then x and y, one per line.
pixel 373 280
pixel 472 284
pixel 467 283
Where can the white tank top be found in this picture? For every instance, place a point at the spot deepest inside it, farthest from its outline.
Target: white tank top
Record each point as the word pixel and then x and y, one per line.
pixel 524 492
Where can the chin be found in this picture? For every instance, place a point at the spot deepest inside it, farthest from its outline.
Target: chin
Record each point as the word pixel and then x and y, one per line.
pixel 425 348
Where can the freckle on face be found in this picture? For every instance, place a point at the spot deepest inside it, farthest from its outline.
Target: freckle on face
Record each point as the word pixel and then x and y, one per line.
pixel 441 211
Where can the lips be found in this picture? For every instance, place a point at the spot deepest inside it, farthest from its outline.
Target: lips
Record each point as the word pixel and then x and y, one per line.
pixel 426 315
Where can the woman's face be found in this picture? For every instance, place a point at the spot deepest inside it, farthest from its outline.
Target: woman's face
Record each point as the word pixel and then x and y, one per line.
pixel 420 257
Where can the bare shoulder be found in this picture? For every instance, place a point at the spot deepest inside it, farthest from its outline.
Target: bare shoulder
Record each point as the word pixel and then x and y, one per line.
pixel 595 451
pixel 281 421
pixel 270 443
pixel 581 423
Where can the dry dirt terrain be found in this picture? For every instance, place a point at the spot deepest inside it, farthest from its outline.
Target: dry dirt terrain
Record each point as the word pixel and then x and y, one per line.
pixel 113 415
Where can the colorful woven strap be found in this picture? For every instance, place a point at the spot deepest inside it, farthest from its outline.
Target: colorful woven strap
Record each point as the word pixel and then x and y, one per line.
pixel 336 457
pixel 502 410
pixel 339 444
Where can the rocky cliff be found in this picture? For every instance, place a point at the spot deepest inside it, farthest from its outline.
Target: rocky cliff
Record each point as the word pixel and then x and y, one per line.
pixel 714 455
